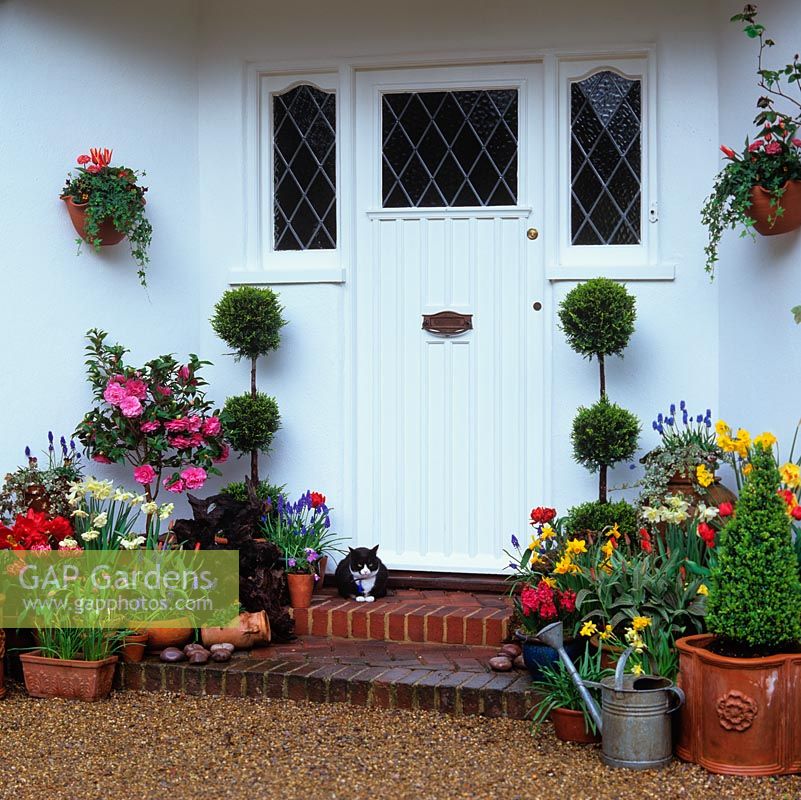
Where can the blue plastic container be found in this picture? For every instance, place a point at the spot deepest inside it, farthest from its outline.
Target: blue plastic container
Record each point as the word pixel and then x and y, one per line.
pixel 537 655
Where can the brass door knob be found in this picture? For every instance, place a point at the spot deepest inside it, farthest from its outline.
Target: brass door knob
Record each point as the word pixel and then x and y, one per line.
pixel 532 233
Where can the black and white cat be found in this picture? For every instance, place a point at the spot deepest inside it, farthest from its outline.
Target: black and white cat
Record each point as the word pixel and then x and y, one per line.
pixel 361 575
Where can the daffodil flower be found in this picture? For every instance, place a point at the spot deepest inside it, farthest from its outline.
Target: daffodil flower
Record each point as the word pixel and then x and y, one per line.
pixel 589 628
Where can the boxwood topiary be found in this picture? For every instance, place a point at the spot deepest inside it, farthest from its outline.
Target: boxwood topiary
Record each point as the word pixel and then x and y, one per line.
pixel 595 516
pixel 754 592
pixel 250 422
pixel 603 435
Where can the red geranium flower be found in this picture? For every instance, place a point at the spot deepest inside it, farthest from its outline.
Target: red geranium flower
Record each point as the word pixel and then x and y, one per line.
pixel 84 159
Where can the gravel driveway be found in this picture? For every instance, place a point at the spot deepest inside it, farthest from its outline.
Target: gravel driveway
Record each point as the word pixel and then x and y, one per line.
pixel 140 746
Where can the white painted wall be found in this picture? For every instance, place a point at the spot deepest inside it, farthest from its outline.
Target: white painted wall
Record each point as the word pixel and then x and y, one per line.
pixel 760 342
pixel 163 84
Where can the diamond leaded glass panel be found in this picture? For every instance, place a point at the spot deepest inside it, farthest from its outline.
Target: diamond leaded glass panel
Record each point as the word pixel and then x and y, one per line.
pixel 304 169
pixel 605 161
pixel 449 148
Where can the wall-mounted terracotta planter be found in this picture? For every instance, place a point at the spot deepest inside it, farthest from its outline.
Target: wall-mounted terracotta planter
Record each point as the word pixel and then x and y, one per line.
pixel 108 233
pixel 68 679
pixel 742 714
pixel 246 631
pixel 568 725
pixel 301 586
pixel 179 632
pixel 761 209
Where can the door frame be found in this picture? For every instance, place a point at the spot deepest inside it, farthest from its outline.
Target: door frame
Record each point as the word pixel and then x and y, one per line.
pixel 532 120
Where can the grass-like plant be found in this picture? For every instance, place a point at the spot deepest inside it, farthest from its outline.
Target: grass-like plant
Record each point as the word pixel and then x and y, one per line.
pixel 754 593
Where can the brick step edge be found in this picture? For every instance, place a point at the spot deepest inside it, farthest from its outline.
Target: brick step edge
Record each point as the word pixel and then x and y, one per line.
pixel 505 694
pixel 484 626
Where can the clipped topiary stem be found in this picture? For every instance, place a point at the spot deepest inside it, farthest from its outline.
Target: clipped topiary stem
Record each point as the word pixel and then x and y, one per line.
pixel 254 454
pixel 602 371
pixel 602 484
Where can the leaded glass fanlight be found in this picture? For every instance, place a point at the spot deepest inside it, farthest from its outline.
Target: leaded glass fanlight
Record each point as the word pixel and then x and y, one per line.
pixel 449 149
pixel 304 169
pixel 605 159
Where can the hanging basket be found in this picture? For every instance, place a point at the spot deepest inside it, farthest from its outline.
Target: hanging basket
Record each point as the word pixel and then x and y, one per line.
pixel 761 209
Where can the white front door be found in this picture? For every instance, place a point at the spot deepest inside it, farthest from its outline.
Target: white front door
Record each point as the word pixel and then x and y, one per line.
pixel 448 437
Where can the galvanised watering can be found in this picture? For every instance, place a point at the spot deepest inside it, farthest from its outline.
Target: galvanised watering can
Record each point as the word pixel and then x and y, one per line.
pixel 634 719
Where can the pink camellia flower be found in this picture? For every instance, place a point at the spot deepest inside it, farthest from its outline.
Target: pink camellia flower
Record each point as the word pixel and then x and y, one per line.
pixel 196 440
pixel 212 426
pixel 773 148
pixel 175 425
pixel 796 142
pixel 755 145
pixel 114 393
pixel 184 373
pixel 144 474
pixel 101 459
pixel 130 406
pixel 194 423
pixel 149 427
pixel 137 388
pixel 164 391
pixel 181 442
pixel 194 477
pixel 224 453
pixel 173 486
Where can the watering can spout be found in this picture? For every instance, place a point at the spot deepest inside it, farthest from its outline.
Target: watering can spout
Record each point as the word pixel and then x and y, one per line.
pixel 553 635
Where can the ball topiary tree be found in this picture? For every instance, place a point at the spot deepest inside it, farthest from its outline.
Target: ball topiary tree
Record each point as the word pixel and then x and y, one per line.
pixel 754 593
pixel 597 318
pixel 249 320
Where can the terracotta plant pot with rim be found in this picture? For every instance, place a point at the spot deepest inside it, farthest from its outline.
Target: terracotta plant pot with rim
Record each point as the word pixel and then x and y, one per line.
pixel 761 208
pixel 133 648
pixel 569 726
pixel 741 714
pixel 177 635
pixel 244 632
pixel 301 587
pixel 107 233
pixel 67 678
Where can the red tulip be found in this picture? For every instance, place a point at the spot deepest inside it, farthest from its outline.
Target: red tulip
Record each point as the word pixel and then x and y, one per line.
pixel 727 151
pixel 725 509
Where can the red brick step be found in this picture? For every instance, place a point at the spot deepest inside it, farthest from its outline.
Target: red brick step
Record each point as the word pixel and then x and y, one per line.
pixel 410 615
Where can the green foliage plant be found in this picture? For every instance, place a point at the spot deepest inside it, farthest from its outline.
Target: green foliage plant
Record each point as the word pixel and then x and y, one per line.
pixel 754 592
pixel 110 192
pixel 594 516
pixel 249 321
pixel 769 161
pixel 597 318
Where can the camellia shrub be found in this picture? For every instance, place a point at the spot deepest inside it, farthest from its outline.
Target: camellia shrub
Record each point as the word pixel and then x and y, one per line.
pixel 754 592
pixel 249 320
pixel 156 418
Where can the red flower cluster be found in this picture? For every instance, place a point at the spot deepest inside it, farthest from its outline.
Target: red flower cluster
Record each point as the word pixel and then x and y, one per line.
pixel 546 601
pixel 707 533
pixel 34 531
pixel 317 499
pixel 99 158
pixel 540 515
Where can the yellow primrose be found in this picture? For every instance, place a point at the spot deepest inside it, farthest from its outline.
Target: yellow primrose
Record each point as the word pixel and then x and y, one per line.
pixel 703 590
pixel 640 623
pixel 791 474
pixel 704 475
pixel 766 440
pixel 589 628
pixel 575 546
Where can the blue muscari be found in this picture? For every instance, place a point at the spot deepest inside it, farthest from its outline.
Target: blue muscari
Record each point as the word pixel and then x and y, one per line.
pixel 515 543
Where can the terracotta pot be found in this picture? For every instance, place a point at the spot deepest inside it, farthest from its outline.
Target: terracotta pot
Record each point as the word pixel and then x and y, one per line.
pixel 568 725
pixel 741 714
pixel 178 635
pixel 133 648
pixel 108 233
pixel 301 586
pixel 247 630
pixel 716 493
pixel 761 209
pixel 71 680
pixel 2 663
pixel 322 565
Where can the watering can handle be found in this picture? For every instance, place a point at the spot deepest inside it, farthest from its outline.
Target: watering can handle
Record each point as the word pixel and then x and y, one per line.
pixel 680 698
pixel 621 668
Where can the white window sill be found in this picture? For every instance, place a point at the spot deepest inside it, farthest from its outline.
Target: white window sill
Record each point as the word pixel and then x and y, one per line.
pixel 633 272
pixel 292 275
